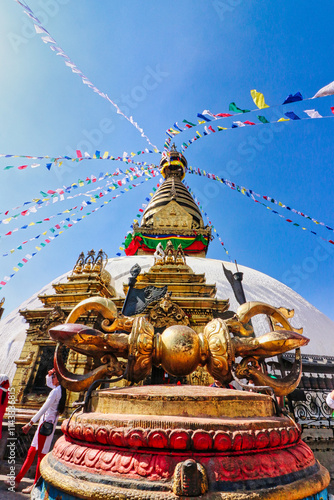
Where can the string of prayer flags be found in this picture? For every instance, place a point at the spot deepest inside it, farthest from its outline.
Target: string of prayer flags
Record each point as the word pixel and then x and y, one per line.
pixel 251 194
pixel 47 38
pixel 258 99
pixel 27 257
pixel 58 194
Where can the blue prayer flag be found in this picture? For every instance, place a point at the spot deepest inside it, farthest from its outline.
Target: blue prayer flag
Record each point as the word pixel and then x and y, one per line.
pixel 293 98
pixel 292 115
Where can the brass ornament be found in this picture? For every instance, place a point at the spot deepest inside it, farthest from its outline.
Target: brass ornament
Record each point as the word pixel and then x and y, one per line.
pixel 179 349
pixel 140 349
pixel 221 350
pixel 166 313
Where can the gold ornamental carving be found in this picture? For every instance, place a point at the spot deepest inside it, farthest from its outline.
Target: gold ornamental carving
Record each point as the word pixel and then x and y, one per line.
pixel 140 349
pixel 221 348
pixel 172 215
pixel 167 313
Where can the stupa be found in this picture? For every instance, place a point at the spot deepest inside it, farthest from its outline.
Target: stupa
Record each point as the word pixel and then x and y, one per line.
pixel 165 441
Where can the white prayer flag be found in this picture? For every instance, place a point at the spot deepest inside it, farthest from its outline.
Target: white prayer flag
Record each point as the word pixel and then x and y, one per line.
pixel 327 90
pixel 312 113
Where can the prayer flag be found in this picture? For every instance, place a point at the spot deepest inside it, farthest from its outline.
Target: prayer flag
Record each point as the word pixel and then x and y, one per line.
pixel 249 123
pixel 292 115
pixel 189 123
pixel 223 115
pixel 332 109
pixel 327 90
pixel 203 117
pixel 312 113
pixel 234 107
pixel 263 119
pixel 258 99
pixel 293 98
pixel 238 124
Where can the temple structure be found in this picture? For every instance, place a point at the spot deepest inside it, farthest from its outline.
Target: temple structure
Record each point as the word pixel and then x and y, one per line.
pixel 170 245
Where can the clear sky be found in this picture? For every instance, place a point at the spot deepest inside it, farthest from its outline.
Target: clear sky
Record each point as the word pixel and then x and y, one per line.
pixel 165 62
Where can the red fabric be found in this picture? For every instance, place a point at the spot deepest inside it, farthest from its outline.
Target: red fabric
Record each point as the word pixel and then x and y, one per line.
pixel 134 245
pixel 27 464
pixel 195 247
pixel 30 458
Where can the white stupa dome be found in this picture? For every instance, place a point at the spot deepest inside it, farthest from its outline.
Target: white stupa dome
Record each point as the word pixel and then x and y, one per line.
pixel 257 286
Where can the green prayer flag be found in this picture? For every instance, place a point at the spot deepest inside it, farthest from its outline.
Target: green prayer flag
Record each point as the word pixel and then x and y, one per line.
pixel 189 123
pixel 263 119
pixel 234 107
pixel 9 166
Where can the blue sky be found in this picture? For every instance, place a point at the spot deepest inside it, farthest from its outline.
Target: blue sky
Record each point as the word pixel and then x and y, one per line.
pixel 164 62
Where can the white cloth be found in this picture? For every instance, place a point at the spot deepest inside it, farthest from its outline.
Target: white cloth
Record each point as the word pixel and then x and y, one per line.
pixel 48 380
pixel 327 90
pixel 330 401
pixel 48 413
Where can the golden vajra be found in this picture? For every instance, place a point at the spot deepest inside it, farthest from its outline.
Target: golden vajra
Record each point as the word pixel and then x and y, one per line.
pixel 179 350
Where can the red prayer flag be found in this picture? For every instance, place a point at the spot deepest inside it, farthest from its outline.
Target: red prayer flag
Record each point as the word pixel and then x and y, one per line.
pixel 79 154
pixel 223 115
pixel 22 167
pixel 249 123
pixel 332 108
pixel 212 129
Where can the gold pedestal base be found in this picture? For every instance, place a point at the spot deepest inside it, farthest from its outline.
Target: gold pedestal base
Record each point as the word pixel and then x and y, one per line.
pixel 169 442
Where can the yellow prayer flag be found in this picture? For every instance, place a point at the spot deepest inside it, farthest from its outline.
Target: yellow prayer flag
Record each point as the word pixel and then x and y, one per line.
pixel 105 155
pixel 258 99
pixel 15 269
pixel 201 121
pixel 38 248
pixel 31 224
pixel 283 120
